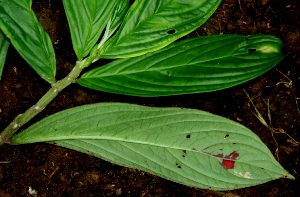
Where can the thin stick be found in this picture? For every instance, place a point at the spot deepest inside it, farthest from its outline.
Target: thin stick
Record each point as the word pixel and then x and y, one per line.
pixel 262 120
pixel 291 86
pixel 4 161
pixel 241 6
pixel 269 113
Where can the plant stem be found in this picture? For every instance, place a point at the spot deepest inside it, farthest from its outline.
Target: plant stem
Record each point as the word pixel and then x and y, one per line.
pixel 22 119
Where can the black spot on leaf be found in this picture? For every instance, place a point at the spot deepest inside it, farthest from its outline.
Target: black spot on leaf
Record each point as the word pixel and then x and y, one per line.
pixel 188 136
pixel 251 50
pixel 172 31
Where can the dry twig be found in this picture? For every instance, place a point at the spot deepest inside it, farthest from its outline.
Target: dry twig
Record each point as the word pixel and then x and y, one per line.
pixel 273 130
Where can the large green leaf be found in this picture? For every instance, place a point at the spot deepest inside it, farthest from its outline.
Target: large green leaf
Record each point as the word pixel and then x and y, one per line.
pixel 153 24
pixel 187 146
pixel 201 64
pixel 4 44
pixel 19 23
pixel 87 19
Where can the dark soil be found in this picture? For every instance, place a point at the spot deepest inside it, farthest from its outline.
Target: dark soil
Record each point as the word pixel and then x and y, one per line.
pixel 56 171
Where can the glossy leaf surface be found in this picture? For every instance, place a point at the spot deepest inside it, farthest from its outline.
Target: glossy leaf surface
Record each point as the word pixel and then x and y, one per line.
pixel 187 146
pixel 196 65
pixel 152 25
pixel 87 19
pixel 118 16
pixel 4 44
pixel 19 23
pixel 112 25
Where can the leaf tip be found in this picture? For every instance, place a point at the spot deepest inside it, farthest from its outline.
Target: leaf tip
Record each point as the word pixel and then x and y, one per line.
pixel 289 176
pixel 269 49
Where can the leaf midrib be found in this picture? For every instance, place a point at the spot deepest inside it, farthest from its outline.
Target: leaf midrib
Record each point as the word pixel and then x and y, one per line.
pixel 169 85
pixel 121 139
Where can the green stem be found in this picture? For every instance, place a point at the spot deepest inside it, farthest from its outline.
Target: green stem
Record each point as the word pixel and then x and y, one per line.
pixel 22 119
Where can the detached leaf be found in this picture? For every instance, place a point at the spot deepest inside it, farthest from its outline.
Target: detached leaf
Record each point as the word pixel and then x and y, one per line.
pixel 87 19
pixel 19 23
pixel 152 25
pixel 4 44
pixel 196 65
pixel 187 146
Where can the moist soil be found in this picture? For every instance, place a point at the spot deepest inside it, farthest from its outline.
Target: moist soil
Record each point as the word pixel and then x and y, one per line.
pixel 56 171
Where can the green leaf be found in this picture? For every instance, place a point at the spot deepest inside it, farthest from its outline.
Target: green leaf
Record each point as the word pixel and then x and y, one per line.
pixel 112 25
pixel 196 65
pixel 19 23
pixel 87 19
pixel 117 17
pixel 152 25
pixel 187 146
pixel 4 44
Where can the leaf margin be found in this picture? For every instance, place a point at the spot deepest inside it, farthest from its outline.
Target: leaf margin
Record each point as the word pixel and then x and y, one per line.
pixel 4 44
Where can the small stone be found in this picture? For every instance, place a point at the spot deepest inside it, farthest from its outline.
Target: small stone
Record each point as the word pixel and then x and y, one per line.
pixel 32 191
pixel 119 191
pixel 264 2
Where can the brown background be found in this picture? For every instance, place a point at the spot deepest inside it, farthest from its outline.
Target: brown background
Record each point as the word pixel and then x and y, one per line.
pixel 55 171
